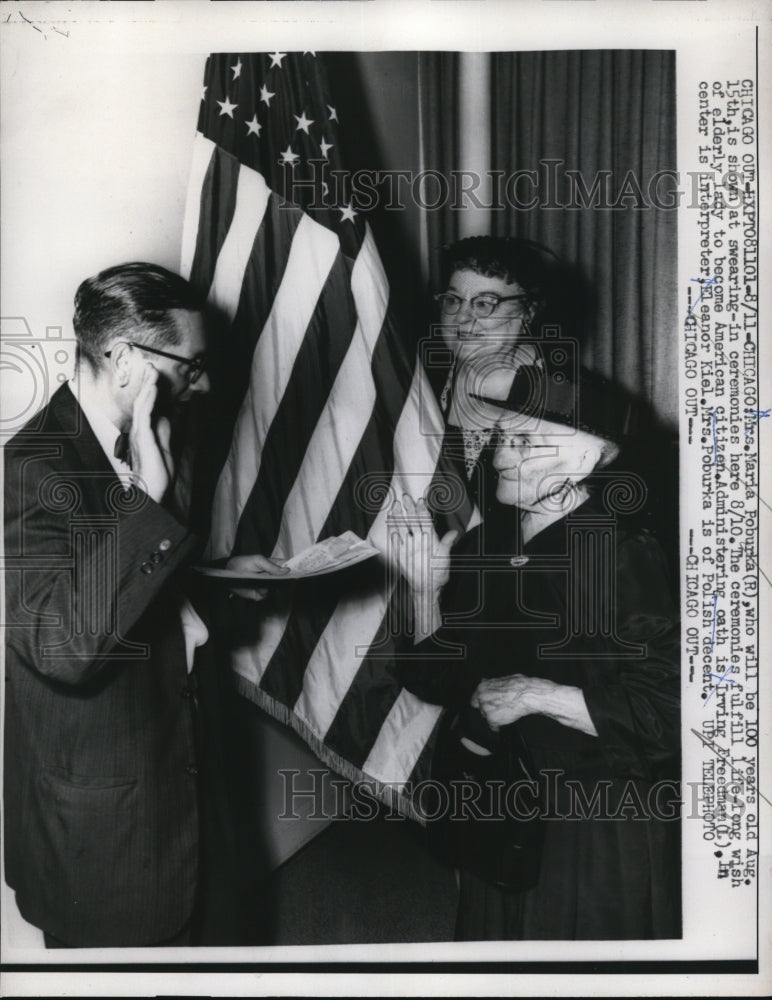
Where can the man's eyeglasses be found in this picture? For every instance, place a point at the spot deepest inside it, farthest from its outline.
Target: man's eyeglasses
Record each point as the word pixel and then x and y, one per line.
pixel 483 305
pixel 196 366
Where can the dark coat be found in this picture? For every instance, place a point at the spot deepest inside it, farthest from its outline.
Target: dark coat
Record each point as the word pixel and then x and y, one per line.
pixel 101 821
pixel 601 877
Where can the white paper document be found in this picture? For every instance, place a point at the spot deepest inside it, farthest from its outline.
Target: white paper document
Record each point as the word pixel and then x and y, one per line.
pixel 327 556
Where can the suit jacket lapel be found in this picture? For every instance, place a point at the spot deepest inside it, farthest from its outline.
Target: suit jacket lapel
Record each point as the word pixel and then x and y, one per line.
pixel 66 411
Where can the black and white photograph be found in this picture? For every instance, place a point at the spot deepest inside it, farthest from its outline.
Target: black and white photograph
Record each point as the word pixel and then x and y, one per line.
pixel 383 562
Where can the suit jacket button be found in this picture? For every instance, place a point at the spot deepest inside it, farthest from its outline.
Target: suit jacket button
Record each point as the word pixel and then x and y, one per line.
pixel 146 567
pixel 156 558
pixel 191 769
pixel 164 545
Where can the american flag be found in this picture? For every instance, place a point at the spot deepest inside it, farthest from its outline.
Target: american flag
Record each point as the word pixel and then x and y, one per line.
pixel 328 412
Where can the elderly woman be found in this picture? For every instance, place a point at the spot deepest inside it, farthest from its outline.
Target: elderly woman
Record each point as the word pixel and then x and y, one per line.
pixel 570 647
pixel 498 292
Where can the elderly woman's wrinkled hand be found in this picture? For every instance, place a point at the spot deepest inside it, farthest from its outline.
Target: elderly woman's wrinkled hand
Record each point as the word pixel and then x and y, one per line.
pixel 422 557
pixel 503 700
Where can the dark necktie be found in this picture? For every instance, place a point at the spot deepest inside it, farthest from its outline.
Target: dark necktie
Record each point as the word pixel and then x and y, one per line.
pixel 122 450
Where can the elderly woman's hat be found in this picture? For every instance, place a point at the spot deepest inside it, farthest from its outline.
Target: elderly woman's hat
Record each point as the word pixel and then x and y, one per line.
pixel 581 399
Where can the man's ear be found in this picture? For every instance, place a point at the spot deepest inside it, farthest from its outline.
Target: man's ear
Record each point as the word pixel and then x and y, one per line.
pixel 121 361
pixel 589 458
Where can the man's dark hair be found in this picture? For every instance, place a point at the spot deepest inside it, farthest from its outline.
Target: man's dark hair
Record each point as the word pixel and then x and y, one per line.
pixel 532 266
pixel 133 301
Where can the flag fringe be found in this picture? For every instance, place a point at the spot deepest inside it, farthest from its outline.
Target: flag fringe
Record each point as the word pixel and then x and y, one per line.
pixel 388 794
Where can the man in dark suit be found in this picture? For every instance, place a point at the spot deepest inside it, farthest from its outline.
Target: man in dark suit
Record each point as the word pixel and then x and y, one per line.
pixel 102 750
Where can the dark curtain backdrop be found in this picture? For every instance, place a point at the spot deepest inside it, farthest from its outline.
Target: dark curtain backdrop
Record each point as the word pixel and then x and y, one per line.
pixel 438 90
pixel 593 111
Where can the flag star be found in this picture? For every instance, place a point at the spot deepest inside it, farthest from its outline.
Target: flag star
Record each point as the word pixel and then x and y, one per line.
pixel 308 52
pixel 236 70
pixel 288 157
pixel 226 108
pixel 254 127
pixel 203 92
pixel 325 189
pixel 325 146
pixel 276 58
pixel 266 95
pixel 303 122
pixel 333 113
pixel 347 213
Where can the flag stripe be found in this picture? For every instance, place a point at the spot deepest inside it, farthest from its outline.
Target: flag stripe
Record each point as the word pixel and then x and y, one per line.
pixel 266 268
pixel 282 676
pixel 322 691
pixel 250 659
pixel 343 420
pixel 367 703
pixel 193 223
pixel 350 629
pixel 358 504
pixel 371 472
pixel 218 203
pixel 368 477
pixel 290 436
pixel 314 250
pixel 251 202
pixel 231 365
pixel 402 739
pixel 416 453
pixel 310 622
